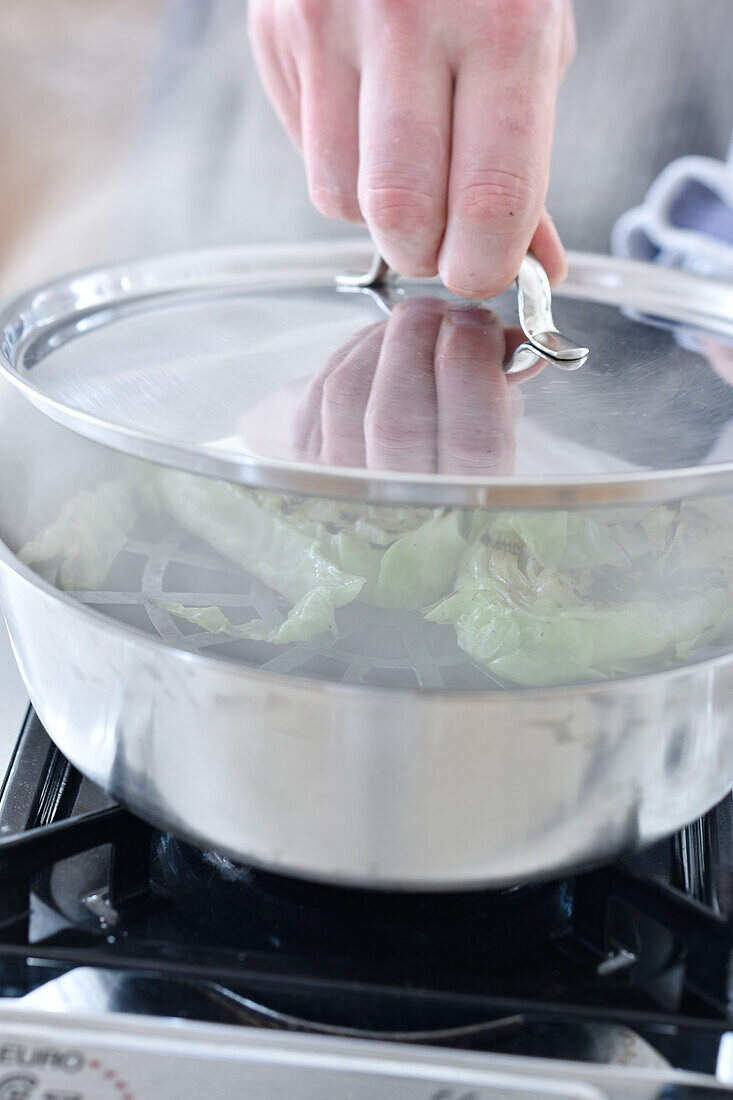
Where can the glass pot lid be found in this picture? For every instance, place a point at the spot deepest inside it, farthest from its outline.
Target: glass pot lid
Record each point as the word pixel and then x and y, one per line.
pixel 253 364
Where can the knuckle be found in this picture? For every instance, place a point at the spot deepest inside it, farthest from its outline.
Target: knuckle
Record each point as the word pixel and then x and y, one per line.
pixel 334 394
pixel 399 15
pixel 500 200
pixel 392 436
pixel 309 13
pixel 400 210
pixel 338 390
pixel 569 44
pixel 522 12
pixel 514 22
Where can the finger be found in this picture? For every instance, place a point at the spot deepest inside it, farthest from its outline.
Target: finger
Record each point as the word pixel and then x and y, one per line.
pixel 276 69
pixel 548 249
pixel 330 129
pixel 513 337
pixel 720 357
pixel 475 422
pixel 400 420
pixel 306 429
pixel 569 39
pixel 502 131
pixel 345 398
pixel 404 136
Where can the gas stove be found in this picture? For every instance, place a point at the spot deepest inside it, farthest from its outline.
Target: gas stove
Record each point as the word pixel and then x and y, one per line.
pixel 133 965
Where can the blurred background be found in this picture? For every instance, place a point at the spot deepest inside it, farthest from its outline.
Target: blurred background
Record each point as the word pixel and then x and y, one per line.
pixel 132 126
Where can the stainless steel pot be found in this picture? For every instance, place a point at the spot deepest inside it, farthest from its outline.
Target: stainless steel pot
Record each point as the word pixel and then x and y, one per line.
pixel 412 790
pixel 374 786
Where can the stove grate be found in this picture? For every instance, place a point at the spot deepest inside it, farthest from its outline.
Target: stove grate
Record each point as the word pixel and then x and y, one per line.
pixel 82 904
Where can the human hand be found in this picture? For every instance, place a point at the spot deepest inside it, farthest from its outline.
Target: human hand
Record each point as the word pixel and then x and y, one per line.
pixel 430 120
pixel 423 392
pixel 719 356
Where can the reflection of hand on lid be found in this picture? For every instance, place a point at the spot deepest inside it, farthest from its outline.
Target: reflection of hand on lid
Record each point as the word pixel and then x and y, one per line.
pixel 422 392
pixel 719 356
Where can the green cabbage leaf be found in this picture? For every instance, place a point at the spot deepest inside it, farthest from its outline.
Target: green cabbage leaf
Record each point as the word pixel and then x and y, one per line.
pixel 536 598
pixel 547 598
pixel 91 530
pixel 262 542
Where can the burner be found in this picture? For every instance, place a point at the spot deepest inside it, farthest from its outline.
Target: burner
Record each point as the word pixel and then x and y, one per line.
pixel 493 927
pixel 374 936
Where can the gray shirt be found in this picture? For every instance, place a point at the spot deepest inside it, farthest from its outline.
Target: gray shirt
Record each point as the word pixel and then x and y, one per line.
pixel 652 81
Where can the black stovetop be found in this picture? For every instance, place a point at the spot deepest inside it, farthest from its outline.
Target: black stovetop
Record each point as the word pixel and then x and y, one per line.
pixel 632 955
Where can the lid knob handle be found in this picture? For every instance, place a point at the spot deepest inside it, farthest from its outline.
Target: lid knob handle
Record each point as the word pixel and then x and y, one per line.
pixel 534 302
